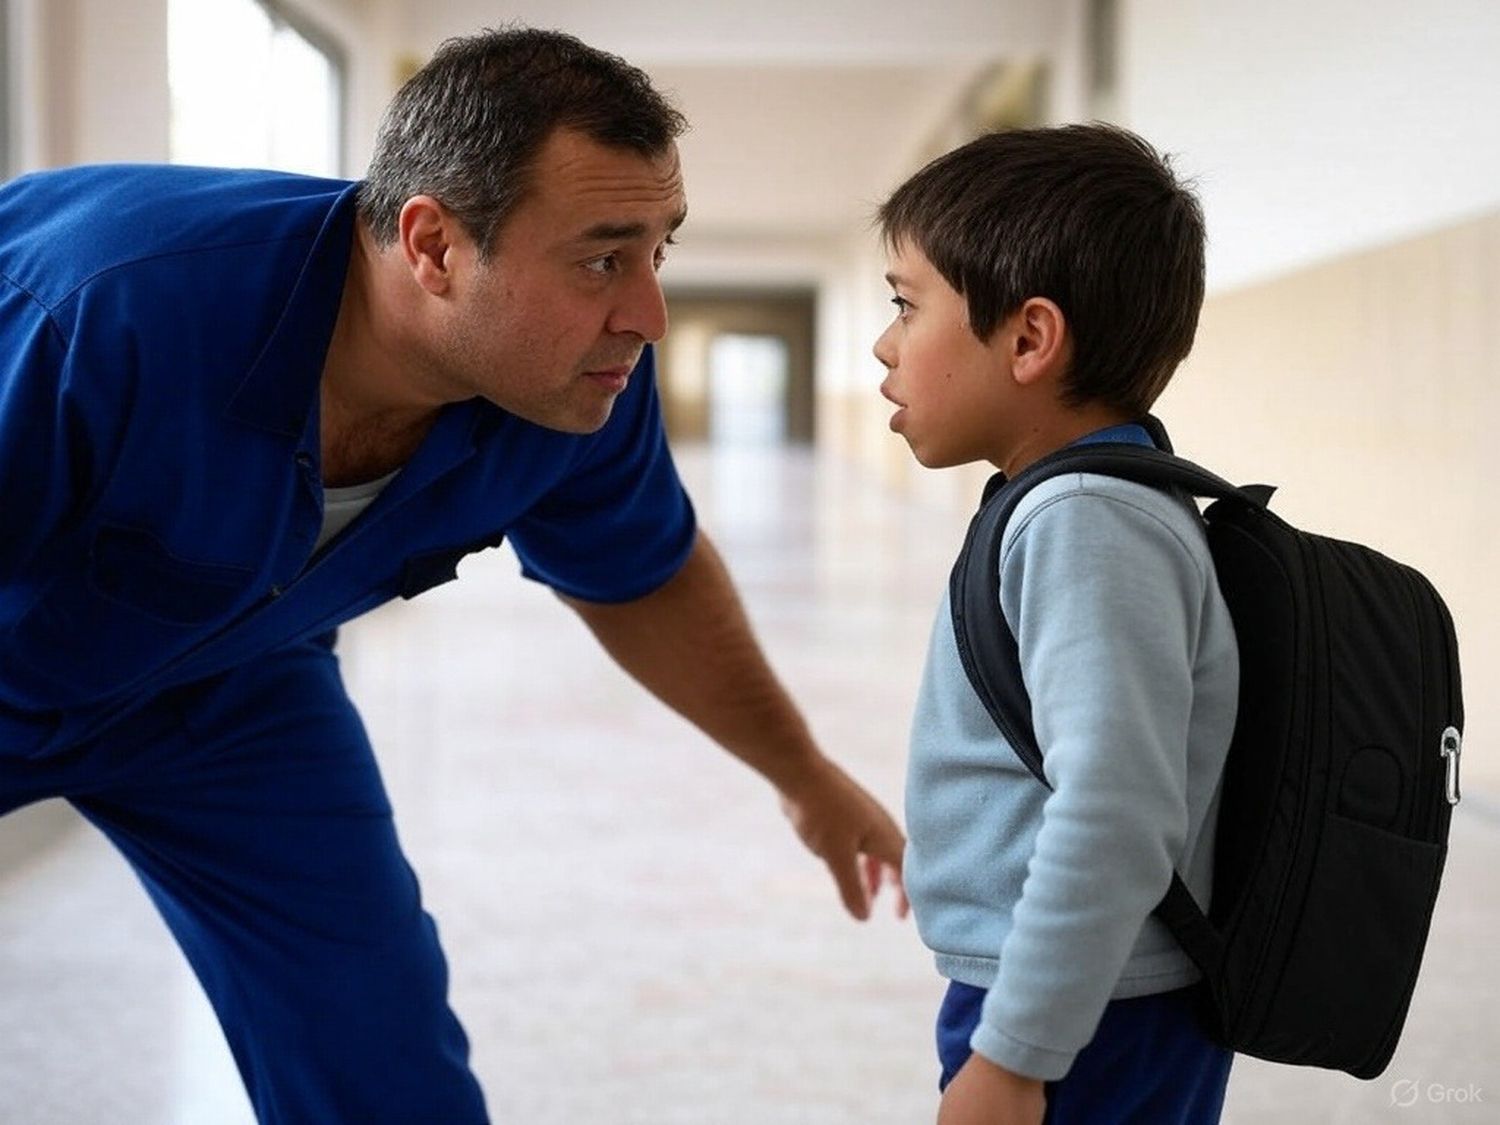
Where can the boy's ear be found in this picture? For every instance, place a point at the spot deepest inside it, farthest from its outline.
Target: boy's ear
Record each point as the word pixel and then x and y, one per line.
pixel 1036 336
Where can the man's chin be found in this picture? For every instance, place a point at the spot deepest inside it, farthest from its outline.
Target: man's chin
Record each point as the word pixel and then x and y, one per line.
pixel 581 421
pixel 583 414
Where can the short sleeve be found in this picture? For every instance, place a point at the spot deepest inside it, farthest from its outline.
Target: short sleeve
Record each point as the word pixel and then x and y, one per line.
pixel 619 524
pixel 47 460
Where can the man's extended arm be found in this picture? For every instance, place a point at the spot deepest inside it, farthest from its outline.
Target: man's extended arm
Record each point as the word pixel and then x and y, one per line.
pixel 690 643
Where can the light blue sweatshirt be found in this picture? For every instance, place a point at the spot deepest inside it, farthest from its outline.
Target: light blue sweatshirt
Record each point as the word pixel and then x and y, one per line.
pixel 1129 656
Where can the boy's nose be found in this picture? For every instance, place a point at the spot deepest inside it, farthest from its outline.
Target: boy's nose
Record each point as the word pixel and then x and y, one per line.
pixel 885 350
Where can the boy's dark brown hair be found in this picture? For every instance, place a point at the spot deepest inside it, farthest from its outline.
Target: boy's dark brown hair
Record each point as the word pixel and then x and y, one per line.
pixel 1088 216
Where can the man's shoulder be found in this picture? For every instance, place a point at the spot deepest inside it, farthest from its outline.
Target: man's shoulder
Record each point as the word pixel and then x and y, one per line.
pixel 61 229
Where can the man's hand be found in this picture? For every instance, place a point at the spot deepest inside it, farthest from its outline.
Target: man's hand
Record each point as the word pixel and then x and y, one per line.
pixel 983 1093
pixel 848 830
pixel 690 644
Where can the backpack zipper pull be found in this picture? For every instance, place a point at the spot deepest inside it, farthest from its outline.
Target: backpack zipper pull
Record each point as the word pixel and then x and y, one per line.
pixel 1452 746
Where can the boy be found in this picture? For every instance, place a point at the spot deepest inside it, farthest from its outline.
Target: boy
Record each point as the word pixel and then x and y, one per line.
pixel 1047 283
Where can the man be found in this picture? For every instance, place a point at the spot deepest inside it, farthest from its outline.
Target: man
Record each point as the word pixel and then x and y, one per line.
pixel 240 408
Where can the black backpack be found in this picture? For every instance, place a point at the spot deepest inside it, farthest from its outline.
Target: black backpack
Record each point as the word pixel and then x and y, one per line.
pixel 1340 779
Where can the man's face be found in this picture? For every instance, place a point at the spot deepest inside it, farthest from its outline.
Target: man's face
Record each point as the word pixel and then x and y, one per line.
pixel 550 326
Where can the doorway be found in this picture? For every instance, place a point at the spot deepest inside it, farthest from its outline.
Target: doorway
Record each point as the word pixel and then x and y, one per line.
pixel 736 368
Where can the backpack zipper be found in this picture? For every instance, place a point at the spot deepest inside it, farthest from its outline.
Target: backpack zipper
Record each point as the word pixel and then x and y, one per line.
pixel 1450 742
pixel 1453 743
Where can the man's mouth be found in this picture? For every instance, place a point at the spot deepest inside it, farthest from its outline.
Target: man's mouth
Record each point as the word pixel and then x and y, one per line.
pixel 613 378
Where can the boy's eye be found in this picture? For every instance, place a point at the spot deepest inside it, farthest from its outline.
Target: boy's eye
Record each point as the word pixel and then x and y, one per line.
pixel 903 306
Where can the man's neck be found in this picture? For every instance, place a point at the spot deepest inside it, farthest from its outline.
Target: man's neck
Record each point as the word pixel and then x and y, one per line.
pixel 360 448
pixel 372 413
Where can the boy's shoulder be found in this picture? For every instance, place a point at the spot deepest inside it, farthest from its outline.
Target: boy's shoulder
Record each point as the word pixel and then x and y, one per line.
pixel 1116 518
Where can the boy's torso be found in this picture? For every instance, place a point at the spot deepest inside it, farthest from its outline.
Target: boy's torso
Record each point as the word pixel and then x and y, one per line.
pixel 973 810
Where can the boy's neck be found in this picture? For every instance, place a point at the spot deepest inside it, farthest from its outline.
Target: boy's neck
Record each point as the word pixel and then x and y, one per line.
pixel 1058 429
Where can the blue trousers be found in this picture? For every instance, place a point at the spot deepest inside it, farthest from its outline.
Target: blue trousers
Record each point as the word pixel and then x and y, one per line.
pixel 1148 1063
pixel 251 809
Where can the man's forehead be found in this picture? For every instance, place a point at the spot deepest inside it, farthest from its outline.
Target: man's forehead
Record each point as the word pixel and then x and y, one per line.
pixel 603 185
pixel 615 230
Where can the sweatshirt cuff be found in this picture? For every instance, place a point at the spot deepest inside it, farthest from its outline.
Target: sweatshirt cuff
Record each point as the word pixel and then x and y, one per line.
pixel 1023 1058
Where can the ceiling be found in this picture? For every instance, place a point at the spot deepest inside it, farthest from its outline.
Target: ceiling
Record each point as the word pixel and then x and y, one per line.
pixel 804 113
pixel 798 150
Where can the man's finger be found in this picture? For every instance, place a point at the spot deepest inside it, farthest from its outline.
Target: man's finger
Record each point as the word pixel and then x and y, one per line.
pixel 887 844
pixel 874 875
pixel 845 871
pixel 878 874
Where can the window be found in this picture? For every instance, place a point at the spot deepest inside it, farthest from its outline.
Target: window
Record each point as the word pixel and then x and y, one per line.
pixel 253 85
pixel 1103 46
pixel 6 155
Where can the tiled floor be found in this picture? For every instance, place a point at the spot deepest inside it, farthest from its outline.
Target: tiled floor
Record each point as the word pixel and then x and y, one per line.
pixel 634 935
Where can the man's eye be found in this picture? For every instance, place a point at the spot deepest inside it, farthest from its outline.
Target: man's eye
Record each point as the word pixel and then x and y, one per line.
pixel 608 264
pixel 661 253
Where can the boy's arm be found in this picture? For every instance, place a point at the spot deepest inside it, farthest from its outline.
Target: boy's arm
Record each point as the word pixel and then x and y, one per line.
pixel 689 642
pixel 1105 599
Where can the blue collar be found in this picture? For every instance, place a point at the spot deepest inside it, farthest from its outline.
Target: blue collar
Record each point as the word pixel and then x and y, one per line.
pixel 1132 433
pixel 280 390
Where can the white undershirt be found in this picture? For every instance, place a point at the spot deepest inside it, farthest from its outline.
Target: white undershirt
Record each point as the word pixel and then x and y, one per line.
pixel 341 505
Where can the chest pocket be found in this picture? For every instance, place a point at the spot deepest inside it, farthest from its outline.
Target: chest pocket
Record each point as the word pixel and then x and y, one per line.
pixel 120 613
pixel 432 568
pixel 135 567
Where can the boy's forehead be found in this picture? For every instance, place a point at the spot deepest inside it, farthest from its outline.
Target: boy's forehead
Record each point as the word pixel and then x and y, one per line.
pixel 906 265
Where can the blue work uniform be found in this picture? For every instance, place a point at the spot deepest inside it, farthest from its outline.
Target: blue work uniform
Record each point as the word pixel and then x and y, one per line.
pixel 167 660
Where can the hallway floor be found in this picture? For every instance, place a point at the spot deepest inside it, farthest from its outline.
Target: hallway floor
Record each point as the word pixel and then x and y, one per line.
pixel 634 934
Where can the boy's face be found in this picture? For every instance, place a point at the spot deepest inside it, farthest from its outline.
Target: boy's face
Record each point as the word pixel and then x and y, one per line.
pixel 953 391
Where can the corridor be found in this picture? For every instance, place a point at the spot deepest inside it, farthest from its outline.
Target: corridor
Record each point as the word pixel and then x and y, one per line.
pixel 634 935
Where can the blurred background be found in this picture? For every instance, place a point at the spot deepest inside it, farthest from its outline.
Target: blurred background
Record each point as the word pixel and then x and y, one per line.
pixel 634 936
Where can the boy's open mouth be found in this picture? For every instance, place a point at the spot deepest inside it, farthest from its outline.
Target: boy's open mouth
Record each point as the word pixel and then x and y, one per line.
pixel 900 406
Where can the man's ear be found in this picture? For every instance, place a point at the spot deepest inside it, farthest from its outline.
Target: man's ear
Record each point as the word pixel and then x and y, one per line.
pixel 1037 338
pixel 427 233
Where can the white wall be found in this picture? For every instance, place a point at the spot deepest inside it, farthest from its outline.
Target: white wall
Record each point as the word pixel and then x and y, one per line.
pixel 91 77
pixel 1349 162
pixel 91 81
pixel 1318 127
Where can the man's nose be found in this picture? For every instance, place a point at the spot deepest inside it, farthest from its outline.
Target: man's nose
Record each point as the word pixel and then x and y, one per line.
pixel 642 310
